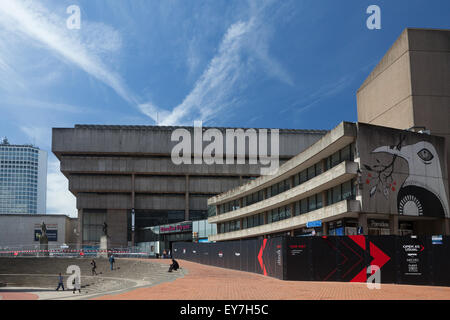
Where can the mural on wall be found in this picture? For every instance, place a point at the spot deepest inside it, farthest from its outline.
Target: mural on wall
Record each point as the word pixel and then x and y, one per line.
pixel 423 192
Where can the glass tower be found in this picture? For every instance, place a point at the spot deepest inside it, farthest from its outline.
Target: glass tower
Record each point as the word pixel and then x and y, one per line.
pixel 23 179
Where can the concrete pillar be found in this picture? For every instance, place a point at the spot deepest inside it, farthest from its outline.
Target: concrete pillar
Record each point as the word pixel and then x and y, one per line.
pixel 393 222
pixel 186 200
pixel 362 222
pixel 446 226
pixel 325 228
pixel 132 190
pixel 80 229
pixel 133 207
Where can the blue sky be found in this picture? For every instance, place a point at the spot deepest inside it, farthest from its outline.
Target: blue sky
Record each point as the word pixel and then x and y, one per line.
pixel 275 64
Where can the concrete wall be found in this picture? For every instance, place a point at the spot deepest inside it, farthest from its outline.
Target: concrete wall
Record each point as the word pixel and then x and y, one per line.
pixel 85 139
pixel 18 230
pixel 122 167
pixel 411 85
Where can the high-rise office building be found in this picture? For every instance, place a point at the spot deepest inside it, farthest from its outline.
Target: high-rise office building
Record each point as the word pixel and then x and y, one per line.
pixel 23 179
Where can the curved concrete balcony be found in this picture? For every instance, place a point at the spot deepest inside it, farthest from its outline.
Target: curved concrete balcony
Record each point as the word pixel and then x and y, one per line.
pixel 341 209
pixel 326 180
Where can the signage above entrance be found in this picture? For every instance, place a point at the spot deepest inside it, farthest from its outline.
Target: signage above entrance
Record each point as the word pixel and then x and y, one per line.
pixel 185 226
pixel 314 224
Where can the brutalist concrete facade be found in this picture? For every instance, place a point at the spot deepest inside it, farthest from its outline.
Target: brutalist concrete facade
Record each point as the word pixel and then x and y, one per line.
pixel 112 169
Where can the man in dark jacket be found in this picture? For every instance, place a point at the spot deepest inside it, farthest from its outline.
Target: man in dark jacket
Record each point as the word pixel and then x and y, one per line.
pixel 94 266
pixel 174 266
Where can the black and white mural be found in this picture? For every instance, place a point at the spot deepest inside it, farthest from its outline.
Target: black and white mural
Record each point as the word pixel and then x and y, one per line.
pixel 403 172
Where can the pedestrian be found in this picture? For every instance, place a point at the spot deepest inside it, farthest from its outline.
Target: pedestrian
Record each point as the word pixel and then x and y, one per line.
pixel 174 266
pixel 164 254
pixel 76 285
pixel 112 261
pixel 94 266
pixel 60 282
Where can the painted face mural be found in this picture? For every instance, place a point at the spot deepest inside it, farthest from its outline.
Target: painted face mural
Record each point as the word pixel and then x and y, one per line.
pixel 423 192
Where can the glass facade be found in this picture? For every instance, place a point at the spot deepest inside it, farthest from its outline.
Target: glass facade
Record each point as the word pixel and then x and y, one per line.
pixel 18 179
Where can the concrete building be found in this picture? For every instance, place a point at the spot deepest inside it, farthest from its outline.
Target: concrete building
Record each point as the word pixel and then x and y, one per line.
pixel 23 179
pixel 114 169
pixel 358 178
pixel 410 86
pixel 409 89
pixel 20 231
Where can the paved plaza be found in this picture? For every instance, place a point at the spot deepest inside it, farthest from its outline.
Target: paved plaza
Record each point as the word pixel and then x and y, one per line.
pixel 149 280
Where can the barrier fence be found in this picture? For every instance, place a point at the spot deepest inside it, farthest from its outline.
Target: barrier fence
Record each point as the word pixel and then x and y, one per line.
pixel 418 260
pixel 91 250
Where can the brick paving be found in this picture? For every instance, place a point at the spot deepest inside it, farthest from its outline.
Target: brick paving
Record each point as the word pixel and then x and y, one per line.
pixel 17 296
pixel 204 282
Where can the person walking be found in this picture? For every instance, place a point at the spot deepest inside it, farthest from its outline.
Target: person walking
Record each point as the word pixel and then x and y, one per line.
pixel 94 266
pixel 76 285
pixel 60 282
pixel 112 261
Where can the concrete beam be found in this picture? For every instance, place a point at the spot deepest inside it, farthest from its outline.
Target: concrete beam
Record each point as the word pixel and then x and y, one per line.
pixel 345 208
pixel 328 179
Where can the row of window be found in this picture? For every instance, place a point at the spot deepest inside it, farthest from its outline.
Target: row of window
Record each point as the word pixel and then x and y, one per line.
pixel 344 191
pixel 31 162
pixel 16 149
pixel 344 154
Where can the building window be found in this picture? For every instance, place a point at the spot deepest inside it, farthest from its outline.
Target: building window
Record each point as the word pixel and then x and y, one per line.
pixel 296 180
pixel 288 212
pixel 311 172
pixel 318 168
pixel 297 208
pixel 303 176
pixel 319 202
pixel 303 206
pixel 275 215
pixel 312 203
pixel 335 159
pixel 346 153
pixel 347 190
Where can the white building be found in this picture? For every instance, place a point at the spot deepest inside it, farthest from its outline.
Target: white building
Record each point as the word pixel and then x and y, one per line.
pixel 23 179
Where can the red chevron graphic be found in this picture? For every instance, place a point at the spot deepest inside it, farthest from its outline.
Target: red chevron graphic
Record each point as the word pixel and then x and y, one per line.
pixel 359 240
pixel 260 257
pixel 357 262
pixel 379 257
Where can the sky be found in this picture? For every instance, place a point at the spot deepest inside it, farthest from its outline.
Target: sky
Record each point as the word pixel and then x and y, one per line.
pixel 244 63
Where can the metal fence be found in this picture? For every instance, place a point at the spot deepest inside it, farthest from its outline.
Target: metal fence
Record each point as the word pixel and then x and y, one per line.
pixel 71 250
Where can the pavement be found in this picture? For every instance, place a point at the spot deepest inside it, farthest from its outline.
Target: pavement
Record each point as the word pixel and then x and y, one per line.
pixel 37 278
pixel 201 282
pixel 204 282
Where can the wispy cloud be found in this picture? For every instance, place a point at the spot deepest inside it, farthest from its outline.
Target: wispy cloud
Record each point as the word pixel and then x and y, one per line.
pixel 244 42
pixel 28 103
pixel 86 49
pixel 59 199
pixel 38 135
